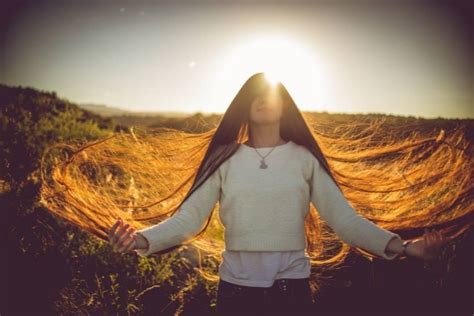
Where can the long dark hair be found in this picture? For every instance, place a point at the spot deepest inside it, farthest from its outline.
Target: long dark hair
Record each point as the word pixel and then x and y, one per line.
pixel 233 129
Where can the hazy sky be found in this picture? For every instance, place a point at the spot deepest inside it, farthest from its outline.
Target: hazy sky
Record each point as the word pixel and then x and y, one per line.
pixel 405 58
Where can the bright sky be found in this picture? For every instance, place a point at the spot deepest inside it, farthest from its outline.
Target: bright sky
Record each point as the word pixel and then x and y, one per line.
pixel 404 58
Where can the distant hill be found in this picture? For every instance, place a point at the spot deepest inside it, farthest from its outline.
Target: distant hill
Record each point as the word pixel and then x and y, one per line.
pixel 190 122
pixel 43 102
pixel 106 111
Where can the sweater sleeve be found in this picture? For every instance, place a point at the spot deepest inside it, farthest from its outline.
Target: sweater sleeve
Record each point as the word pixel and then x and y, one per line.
pixel 187 221
pixel 350 226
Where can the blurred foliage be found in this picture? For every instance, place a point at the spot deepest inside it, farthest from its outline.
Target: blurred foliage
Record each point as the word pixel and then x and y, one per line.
pixel 55 266
pixel 30 120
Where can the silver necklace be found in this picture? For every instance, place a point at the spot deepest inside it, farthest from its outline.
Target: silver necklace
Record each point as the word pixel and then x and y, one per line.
pixel 263 165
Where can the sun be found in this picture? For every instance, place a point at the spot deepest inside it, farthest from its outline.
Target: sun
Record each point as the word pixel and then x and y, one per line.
pixel 283 59
pixel 272 78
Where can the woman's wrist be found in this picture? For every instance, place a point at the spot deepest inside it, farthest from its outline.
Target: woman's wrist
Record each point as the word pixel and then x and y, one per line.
pixel 141 242
pixel 405 246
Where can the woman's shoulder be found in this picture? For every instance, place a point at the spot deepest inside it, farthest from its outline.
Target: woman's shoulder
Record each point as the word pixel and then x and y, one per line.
pixel 300 147
pixel 302 152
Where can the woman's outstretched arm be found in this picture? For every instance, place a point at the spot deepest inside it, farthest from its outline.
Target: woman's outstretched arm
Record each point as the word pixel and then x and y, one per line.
pixel 357 230
pixel 351 227
pixel 186 222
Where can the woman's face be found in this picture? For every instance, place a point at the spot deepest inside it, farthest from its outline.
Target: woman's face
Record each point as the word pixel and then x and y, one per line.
pixel 266 108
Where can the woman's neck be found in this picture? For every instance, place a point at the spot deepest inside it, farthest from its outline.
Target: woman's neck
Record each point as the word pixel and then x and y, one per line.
pixel 265 143
pixel 265 135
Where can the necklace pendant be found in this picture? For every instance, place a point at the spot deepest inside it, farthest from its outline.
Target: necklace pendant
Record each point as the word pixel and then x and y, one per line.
pixel 263 165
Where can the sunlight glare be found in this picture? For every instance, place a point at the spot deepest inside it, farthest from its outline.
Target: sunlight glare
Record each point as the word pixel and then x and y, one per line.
pixel 272 77
pixel 283 59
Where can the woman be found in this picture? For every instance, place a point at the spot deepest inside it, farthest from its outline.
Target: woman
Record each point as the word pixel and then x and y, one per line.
pixel 264 187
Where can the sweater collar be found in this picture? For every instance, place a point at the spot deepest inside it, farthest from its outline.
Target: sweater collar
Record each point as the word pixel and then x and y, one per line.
pixel 277 148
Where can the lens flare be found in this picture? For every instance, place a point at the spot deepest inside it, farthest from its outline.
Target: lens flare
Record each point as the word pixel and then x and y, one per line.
pixel 272 77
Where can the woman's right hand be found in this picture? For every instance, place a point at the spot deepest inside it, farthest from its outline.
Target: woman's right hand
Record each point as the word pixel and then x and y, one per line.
pixel 124 238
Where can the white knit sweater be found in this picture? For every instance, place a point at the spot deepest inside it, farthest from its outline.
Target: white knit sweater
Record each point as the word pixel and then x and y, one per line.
pixel 265 209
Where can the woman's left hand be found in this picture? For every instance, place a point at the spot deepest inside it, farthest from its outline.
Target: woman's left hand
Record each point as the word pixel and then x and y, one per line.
pixel 428 247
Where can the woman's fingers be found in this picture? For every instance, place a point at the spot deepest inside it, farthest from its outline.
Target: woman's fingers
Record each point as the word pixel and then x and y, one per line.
pixel 122 233
pixel 122 230
pixel 129 242
pixel 112 230
pixel 429 242
pixel 122 236
pixel 430 239
pixel 130 245
pixel 125 238
pixel 438 238
pixel 441 239
pixel 122 244
pixel 426 238
pixel 117 231
pixel 115 237
pixel 432 242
